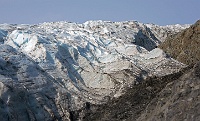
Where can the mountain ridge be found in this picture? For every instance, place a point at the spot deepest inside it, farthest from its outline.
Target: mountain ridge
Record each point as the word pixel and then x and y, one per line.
pixel 63 67
pixel 183 46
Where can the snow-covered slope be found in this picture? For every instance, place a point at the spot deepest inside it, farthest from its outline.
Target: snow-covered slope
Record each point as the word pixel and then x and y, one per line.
pixel 60 67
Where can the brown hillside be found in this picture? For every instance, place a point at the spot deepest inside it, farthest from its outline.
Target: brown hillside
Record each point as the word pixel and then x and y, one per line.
pixel 184 46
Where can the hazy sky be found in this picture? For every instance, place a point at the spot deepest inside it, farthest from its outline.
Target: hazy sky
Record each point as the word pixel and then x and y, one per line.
pixel 160 12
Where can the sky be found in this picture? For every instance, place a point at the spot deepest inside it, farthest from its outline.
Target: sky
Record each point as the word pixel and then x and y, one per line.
pixel 161 12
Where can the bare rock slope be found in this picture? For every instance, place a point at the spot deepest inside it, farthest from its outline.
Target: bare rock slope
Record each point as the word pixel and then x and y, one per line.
pixel 172 97
pixel 179 100
pixel 184 46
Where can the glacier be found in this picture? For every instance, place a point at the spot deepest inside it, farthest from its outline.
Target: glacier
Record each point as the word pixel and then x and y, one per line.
pixel 51 69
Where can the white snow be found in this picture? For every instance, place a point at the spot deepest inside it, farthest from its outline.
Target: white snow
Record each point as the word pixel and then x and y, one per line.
pixel 31 44
pixel 91 59
pixel 155 53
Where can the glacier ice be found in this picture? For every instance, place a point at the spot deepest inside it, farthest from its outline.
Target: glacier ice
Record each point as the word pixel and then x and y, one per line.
pixel 71 64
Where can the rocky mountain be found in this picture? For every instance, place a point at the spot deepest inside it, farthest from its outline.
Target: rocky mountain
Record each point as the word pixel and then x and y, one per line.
pixel 171 97
pixel 184 46
pixel 179 100
pixel 61 70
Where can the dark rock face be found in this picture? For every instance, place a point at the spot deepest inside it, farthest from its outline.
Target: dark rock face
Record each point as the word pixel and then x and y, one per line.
pixel 178 101
pixel 184 46
pixel 172 97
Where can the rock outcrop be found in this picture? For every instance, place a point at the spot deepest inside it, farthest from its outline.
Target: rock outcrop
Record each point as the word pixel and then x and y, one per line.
pixel 184 46
pixel 179 100
pixel 172 97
